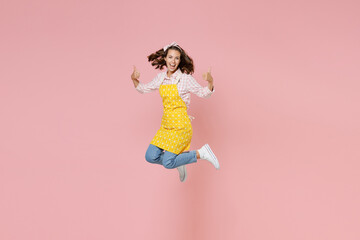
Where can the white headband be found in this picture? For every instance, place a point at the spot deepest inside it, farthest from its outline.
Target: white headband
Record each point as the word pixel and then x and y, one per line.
pixel 171 44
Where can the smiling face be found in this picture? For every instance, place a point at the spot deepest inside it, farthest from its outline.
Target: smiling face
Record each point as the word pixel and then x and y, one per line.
pixel 172 60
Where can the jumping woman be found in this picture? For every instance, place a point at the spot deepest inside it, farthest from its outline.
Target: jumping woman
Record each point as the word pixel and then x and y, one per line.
pixel 171 144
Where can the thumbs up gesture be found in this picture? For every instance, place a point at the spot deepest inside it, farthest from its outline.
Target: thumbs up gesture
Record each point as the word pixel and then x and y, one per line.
pixel 135 75
pixel 207 76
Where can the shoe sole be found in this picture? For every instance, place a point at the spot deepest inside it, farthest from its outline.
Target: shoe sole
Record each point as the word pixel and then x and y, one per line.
pixel 185 176
pixel 217 165
pixel 185 173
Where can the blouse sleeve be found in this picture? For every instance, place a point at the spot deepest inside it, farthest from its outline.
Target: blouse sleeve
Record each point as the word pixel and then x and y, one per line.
pixel 150 86
pixel 197 89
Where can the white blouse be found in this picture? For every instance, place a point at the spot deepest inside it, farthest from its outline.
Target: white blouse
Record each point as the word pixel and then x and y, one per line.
pixel 186 84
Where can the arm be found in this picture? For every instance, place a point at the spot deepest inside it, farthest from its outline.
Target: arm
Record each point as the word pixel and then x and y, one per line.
pixel 197 89
pixel 145 88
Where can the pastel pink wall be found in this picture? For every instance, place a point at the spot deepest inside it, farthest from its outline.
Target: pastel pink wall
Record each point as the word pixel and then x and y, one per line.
pixel 284 121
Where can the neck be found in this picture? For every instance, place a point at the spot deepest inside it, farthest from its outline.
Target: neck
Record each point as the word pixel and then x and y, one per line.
pixel 169 73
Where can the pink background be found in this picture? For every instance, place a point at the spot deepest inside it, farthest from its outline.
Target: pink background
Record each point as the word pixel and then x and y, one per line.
pixel 284 120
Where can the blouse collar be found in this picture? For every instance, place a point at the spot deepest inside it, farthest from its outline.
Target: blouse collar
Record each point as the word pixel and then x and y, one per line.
pixel 177 74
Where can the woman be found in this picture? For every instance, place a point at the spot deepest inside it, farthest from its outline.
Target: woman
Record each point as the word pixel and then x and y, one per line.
pixel 171 144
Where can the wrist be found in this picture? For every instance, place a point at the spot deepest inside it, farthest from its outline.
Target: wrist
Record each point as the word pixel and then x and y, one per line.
pixel 211 86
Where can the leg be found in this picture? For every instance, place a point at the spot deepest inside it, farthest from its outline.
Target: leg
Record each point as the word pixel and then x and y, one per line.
pixel 172 160
pixel 154 154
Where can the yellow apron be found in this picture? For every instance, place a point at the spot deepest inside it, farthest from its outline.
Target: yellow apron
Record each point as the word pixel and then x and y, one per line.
pixel 175 132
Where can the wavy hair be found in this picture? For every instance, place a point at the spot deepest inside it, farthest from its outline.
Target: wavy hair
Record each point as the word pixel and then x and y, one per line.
pixel 186 64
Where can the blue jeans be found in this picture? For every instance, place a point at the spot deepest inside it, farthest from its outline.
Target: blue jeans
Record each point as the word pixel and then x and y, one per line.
pixel 169 160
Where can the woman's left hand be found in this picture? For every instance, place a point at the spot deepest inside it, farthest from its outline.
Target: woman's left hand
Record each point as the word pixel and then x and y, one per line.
pixel 207 76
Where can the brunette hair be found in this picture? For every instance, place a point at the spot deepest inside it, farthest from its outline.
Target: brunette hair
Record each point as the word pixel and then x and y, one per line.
pixel 186 64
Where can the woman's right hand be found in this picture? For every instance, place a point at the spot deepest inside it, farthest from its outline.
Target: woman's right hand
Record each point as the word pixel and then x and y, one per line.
pixel 135 75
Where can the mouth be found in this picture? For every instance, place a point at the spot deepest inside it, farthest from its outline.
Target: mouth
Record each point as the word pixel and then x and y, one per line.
pixel 172 65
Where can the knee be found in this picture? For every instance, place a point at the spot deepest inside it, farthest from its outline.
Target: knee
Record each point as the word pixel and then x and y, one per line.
pixel 150 156
pixel 169 163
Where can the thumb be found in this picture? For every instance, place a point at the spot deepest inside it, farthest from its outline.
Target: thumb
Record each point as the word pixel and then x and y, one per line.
pixel 209 69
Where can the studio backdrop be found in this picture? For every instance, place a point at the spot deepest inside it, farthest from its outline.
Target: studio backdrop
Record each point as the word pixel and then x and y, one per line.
pixel 283 120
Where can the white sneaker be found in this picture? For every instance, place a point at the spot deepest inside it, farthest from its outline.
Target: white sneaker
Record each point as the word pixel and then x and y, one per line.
pixel 182 173
pixel 206 154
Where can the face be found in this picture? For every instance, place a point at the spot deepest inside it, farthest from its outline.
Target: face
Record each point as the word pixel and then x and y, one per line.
pixel 172 60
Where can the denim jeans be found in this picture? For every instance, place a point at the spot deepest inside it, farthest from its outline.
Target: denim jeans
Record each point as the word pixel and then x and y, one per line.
pixel 169 160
